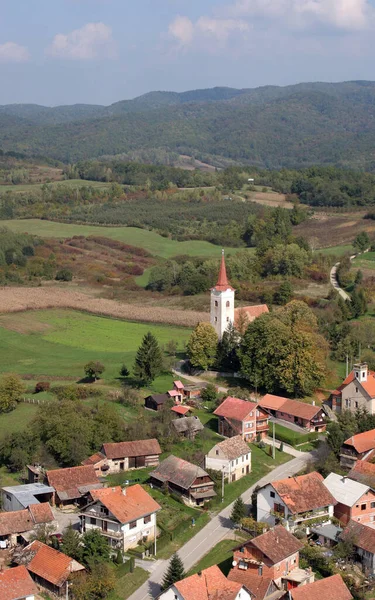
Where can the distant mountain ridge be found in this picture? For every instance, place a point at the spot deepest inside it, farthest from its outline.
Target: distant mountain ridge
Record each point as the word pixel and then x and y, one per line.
pixel 270 126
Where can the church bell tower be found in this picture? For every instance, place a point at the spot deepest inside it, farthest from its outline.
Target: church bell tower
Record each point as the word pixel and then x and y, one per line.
pixel 222 302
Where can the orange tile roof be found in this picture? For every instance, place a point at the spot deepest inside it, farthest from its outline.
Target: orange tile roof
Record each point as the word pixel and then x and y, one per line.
pixel 277 544
pixel 210 584
pixel 251 312
pixel 368 386
pixel 93 459
pixel 180 410
pixel 363 471
pixel 20 521
pixel 178 384
pixel 16 583
pixel 290 407
pixel 362 442
pixel 48 563
pixel 126 504
pixel 330 588
pixel 234 408
pixel 67 482
pixel 41 513
pixel 135 448
pixel 222 280
pixel 303 493
pixel 257 585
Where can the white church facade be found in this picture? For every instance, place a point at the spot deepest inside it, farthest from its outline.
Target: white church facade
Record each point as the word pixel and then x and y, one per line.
pixel 222 311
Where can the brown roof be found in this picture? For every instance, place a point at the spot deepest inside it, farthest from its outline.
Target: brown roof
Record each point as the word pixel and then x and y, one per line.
pixel 136 448
pixel 94 459
pixel 277 544
pixel 256 584
pixel 222 280
pixel 20 521
pixel 188 424
pixel 48 563
pixel 234 408
pixel 178 471
pixel 210 584
pixel 330 588
pixel 16 583
pixel 290 407
pixel 303 493
pixel 73 482
pixel 251 312
pixel 363 472
pixel 362 442
pixel 233 447
pixel 362 535
pixel 128 504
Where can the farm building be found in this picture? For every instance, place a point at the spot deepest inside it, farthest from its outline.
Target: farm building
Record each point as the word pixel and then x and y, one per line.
pixel 72 485
pixel 156 401
pixel 188 426
pixel 308 416
pixel 17 497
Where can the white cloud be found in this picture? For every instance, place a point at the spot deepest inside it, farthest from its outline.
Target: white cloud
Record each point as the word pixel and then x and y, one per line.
pixel 90 41
pixel 182 29
pixel 12 52
pixel 221 28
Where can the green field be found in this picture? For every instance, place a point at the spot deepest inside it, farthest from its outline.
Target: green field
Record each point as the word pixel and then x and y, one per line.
pixel 149 240
pixel 337 250
pixel 61 342
pixel 29 187
pixel 365 261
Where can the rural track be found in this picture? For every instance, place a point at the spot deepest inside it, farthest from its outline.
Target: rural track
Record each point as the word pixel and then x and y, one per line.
pixel 334 281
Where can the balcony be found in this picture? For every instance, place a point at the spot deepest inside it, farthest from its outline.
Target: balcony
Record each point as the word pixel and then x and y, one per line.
pixel 262 426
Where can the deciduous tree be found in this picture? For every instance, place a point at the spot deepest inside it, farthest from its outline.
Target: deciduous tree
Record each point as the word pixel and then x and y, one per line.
pixel 202 346
pixel 11 392
pixel 94 369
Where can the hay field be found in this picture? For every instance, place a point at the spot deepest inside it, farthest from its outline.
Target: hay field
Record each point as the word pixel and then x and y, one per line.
pixel 330 230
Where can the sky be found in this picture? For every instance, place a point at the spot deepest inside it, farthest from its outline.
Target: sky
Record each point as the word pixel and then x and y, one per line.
pixel 56 52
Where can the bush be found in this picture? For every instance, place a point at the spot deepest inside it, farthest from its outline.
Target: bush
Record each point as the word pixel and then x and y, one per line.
pixel 42 386
pixel 64 275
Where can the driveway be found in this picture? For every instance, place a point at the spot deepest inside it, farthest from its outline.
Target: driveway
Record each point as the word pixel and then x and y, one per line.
pixel 216 530
pixel 288 425
pixel 65 519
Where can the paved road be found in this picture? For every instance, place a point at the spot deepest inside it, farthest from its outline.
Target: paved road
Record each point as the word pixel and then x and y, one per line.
pixel 214 531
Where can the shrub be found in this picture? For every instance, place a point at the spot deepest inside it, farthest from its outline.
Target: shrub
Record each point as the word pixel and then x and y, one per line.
pixel 64 275
pixel 42 386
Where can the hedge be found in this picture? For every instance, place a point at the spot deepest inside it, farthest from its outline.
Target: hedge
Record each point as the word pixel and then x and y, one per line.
pixel 292 437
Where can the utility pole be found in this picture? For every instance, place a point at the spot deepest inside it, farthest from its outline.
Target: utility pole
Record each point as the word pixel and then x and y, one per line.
pixel 222 483
pixel 273 435
pixel 347 365
pixel 155 537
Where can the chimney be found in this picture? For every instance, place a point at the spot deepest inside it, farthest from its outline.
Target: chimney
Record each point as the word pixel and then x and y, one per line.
pixel 124 491
pixel 313 402
pixel 344 478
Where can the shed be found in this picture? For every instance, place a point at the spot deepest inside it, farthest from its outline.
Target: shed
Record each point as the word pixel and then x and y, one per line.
pixel 188 426
pixel 156 401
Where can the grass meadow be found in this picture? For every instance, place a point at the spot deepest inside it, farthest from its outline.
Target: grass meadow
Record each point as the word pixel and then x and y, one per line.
pixel 149 240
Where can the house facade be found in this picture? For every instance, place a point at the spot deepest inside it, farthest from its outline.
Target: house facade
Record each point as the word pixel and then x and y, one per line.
pixel 274 554
pixel 125 517
pixel 124 456
pixel 295 501
pixel 360 447
pixel 356 392
pixel 232 457
pixel 355 501
pixel 187 480
pixel 307 416
pixel 240 417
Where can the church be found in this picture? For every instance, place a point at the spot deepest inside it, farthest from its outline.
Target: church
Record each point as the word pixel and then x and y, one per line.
pixel 222 304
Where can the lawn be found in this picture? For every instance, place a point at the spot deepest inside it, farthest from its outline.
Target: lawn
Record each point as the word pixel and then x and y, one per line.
pixel 16 420
pixel 220 555
pixel 294 438
pixel 149 240
pixel 60 342
pixel 127 584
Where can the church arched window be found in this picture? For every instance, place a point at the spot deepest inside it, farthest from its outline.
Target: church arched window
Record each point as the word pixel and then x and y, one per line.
pixel 228 304
pixel 216 303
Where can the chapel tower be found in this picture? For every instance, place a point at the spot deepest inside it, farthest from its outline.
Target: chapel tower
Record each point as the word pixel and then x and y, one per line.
pixel 222 302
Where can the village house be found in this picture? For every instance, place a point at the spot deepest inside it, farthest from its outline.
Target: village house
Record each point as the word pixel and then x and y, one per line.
pixel 240 417
pixel 327 534
pixel 49 568
pixel 17 526
pixel 16 584
pixel 358 447
pixel 307 416
pixel 260 588
pixel 18 497
pixel 156 401
pixel 72 485
pixel 354 500
pixel 187 427
pixel 274 554
pixel 123 456
pixel 124 516
pixel 363 539
pixel 232 457
pixel 364 472
pixel 295 501
pixel 330 588
pixel 356 392
pixel 189 481
pixel 209 584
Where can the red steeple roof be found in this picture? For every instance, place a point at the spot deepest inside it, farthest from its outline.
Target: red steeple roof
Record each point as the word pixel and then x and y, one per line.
pixel 222 281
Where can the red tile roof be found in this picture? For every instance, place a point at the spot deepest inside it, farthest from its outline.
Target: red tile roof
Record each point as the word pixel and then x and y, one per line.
pixel 330 588
pixel 362 535
pixel 48 563
pixel 368 386
pixel 362 442
pixel 41 513
pixel 290 407
pixel 363 471
pixel 178 384
pixel 135 448
pixel 222 280
pixel 16 583
pixel 210 584
pixel 20 521
pixel 181 410
pixel 304 493
pixel 251 312
pixel 234 408
pixel 126 504
pixel 277 544
pixel 73 482
pixel 257 585
pixel 94 459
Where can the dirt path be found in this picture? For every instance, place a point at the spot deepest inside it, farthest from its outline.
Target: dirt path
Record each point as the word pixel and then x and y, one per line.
pixel 17 299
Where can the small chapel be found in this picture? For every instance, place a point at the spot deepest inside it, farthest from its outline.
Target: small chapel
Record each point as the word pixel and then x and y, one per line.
pixel 222 310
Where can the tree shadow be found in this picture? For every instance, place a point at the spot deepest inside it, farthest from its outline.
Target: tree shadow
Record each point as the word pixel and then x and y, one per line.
pixel 212 424
pixel 226 522
pixel 154 589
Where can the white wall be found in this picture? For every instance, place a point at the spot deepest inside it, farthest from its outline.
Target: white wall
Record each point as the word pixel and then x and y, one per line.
pixel 265 504
pixel 172 593
pixel 230 467
pixel 222 315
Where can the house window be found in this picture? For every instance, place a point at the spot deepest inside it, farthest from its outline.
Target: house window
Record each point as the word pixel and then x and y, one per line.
pixel 363 506
pixel 228 304
pixel 216 303
pixel 242 549
pixel 347 403
pixel 372 518
pixel 243 470
pixel 236 461
pixel 260 571
pixel 92 521
pixel 227 319
pixel 217 452
pixel 372 504
pixel 356 390
pixel 133 525
pixel 215 319
pixel 147 519
pixel 272 494
pixel 356 404
pixel 249 425
pixel 8 497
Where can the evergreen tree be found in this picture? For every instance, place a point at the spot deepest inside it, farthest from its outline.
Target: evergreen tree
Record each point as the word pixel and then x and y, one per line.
pixel 238 511
pixel 149 359
pixel 175 572
pixel 226 356
pixel 71 544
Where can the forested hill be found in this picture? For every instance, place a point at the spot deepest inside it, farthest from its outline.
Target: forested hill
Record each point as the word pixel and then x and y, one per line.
pixel 273 127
